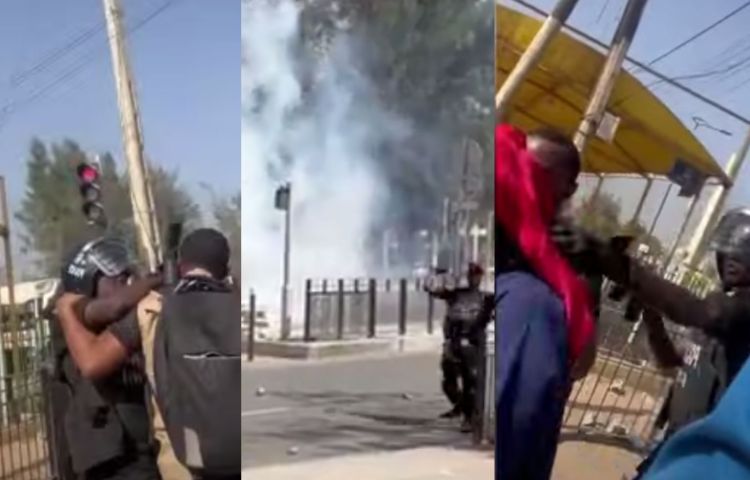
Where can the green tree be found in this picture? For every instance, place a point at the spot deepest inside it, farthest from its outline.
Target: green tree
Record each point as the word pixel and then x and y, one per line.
pixel 227 214
pixel 430 62
pixel 51 208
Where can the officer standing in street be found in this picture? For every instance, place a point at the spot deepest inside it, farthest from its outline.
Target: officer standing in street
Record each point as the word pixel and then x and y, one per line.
pixel 468 312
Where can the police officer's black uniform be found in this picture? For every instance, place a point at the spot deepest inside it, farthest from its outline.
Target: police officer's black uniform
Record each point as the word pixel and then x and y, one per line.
pixel 468 312
pixel 106 424
pixel 719 343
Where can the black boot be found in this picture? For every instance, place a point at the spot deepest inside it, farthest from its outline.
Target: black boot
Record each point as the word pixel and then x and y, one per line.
pixel 452 413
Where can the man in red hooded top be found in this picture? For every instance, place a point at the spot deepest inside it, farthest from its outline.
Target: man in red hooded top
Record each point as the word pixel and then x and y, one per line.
pixel 545 322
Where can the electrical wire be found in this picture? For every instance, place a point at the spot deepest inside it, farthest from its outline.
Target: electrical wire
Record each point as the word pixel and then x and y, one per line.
pixel 699 34
pixel 679 46
pixel 52 57
pixel 14 106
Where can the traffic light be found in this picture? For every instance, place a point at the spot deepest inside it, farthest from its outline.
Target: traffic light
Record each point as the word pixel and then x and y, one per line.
pixel 88 181
pixel 283 198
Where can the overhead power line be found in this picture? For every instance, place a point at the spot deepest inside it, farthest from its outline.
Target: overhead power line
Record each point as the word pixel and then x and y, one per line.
pixel 699 34
pixel 14 106
pixel 55 55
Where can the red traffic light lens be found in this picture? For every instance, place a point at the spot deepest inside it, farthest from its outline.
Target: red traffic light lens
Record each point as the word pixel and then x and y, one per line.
pixel 87 173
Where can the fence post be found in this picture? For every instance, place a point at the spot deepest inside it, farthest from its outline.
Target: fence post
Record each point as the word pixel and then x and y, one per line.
pixel 307 318
pixel 480 392
pixel 430 314
pixel 402 307
pixel 371 311
pixel 340 310
pixel 251 327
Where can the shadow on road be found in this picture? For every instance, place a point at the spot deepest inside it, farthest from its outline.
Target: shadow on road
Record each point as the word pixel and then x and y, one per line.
pixel 607 439
pixel 334 423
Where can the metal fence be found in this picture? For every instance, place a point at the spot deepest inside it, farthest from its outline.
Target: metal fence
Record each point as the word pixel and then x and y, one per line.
pixel 368 308
pixel 625 390
pixel 24 451
pixel 484 428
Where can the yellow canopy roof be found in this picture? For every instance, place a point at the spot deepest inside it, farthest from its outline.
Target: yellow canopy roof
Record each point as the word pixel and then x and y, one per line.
pixel 649 137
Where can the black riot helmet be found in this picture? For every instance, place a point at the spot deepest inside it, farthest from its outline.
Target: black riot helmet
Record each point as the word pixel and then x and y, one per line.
pixel 107 257
pixel 731 242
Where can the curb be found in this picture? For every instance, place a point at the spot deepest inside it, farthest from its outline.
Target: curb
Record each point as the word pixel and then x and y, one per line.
pixel 298 350
pixel 425 463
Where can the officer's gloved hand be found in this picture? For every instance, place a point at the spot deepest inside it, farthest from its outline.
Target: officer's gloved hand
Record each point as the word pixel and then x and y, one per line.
pixel 614 261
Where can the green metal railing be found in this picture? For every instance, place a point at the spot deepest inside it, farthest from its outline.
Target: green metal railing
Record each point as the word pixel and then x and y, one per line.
pixel 23 423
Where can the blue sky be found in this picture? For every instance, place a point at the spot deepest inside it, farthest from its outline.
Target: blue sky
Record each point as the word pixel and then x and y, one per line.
pixel 185 61
pixel 665 24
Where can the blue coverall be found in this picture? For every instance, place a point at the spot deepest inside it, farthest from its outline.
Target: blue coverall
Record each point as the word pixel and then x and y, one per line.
pixel 532 376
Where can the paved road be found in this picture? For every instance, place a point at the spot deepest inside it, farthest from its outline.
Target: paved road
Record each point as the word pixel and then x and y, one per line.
pixel 333 408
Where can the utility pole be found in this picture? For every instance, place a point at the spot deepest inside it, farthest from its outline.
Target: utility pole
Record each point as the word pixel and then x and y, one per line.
pixel 600 98
pixel 10 280
pixel 141 196
pixel 531 56
pixel 715 206
pixel 693 203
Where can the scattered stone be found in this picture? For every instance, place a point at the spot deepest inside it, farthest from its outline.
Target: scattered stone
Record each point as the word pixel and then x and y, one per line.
pixel 407 396
pixel 616 428
pixel 260 391
pixel 618 387
pixel 638 443
pixel 589 420
pixel 292 451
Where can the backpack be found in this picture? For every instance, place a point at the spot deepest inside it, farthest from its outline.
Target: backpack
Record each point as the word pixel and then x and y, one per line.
pixel 197 377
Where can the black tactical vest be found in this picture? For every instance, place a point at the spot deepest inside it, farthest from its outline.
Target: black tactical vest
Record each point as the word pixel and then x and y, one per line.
pixel 104 420
pixel 465 308
pixel 699 382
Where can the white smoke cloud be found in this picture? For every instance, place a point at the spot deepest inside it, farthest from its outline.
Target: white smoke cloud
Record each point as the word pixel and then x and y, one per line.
pixel 321 141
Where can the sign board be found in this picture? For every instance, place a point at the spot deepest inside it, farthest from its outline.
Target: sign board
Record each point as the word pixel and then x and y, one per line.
pixel 608 127
pixel 689 179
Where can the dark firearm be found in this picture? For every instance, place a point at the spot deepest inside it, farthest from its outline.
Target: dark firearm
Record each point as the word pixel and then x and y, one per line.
pixel 591 256
pixel 618 293
pixel 174 235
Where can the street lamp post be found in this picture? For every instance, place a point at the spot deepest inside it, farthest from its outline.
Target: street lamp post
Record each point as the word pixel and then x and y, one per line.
pixel 283 202
pixel 476 233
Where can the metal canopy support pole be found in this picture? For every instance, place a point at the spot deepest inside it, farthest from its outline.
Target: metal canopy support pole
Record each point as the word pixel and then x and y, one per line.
pixel 531 56
pixel 639 209
pixel 715 206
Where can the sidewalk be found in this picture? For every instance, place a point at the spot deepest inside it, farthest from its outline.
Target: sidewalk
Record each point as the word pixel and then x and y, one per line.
pixel 417 464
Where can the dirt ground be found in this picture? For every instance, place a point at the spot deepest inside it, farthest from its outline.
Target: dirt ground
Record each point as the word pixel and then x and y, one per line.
pixel 578 460
pixel 623 408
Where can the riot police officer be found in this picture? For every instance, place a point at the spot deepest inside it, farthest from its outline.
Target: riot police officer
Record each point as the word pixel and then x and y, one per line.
pixel 106 424
pixel 720 336
pixel 468 312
